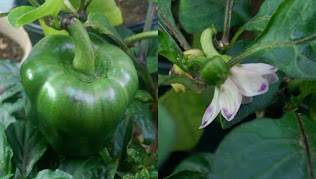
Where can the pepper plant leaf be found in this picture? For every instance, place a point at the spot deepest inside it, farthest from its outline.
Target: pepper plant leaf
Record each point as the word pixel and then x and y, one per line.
pixel 28 145
pixel 166 19
pixel 26 14
pixel 187 110
pixel 142 115
pixel 80 167
pixel 108 8
pixel 53 174
pixel 196 16
pixel 167 47
pixel 101 24
pixel 289 40
pixel 9 73
pixel 196 163
pixel 5 154
pixel 268 148
pixel 260 21
pixel 166 133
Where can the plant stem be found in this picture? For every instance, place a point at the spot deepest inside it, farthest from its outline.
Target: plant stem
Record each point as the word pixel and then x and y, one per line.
pixel 176 32
pixel 71 8
pixel 228 15
pixel 161 27
pixel 34 3
pixel 237 34
pixel 140 36
pixel 81 7
pixel 143 72
pixel 84 54
pixel 147 27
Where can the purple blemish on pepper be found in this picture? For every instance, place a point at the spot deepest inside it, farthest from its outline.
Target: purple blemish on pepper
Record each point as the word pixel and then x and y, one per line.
pixel 263 87
pixel 226 113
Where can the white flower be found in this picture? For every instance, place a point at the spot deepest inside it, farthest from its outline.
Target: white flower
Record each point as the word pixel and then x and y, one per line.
pixel 249 80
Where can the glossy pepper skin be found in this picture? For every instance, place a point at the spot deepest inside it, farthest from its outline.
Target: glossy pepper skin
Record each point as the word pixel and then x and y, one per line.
pixel 77 118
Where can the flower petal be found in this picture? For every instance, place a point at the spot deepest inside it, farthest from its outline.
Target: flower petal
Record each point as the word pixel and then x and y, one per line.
pixel 212 110
pixel 229 99
pixel 249 83
pixel 261 68
pixel 246 100
pixel 272 78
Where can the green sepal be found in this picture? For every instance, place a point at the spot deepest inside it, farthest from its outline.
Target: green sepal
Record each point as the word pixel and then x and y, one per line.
pixel 215 71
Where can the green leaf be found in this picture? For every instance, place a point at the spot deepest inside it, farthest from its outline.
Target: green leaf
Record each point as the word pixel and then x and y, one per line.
pixel 80 168
pixel 11 91
pixel 152 63
pixel 5 154
pixel 141 114
pixel 307 87
pixel 196 163
pixel 28 145
pixel 107 170
pixel 5 117
pixel 9 73
pixel 165 18
pixel 122 136
pixel 196 16
pixel 167 47
pixel 187 175
pixel 187 110
pixel 53 174
pixel 143 96
pixel 258 102
pixel 268 148
pixel 108 8
pixel 7 108
pixel 260 21
pixel 26 14
pixel 289 40
pixel 166 133
pixel 124 32
pixel 100 23
pixel 7 176
pixel 185 81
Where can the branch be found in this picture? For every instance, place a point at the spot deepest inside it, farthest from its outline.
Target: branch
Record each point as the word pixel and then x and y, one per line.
pixel 228 15
pixel 141 36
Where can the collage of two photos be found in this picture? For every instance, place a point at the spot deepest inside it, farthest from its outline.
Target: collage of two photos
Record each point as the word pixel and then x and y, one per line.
pixel 157 89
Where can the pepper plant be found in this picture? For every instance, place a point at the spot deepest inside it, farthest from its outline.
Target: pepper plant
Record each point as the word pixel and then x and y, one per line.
pixel 83 104
pixel 242 98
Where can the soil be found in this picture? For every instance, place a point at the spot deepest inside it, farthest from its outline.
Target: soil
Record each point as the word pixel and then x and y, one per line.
pixel 133 10
pixel 9 49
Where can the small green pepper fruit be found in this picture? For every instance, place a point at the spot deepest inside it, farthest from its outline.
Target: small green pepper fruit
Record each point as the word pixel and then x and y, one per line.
pixel 77 112
pixel 215 71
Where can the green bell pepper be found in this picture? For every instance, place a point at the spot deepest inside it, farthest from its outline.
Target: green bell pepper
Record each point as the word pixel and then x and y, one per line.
pixel 77 112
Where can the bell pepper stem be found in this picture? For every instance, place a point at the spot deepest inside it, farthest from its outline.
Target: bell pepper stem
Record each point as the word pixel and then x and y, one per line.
pixel 84 54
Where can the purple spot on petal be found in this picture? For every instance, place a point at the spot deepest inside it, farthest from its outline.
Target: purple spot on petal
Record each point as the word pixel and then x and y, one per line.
pixel 209 109
pixel 273 68
pixel 204 123
pixel 226 113
pixel 263 87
